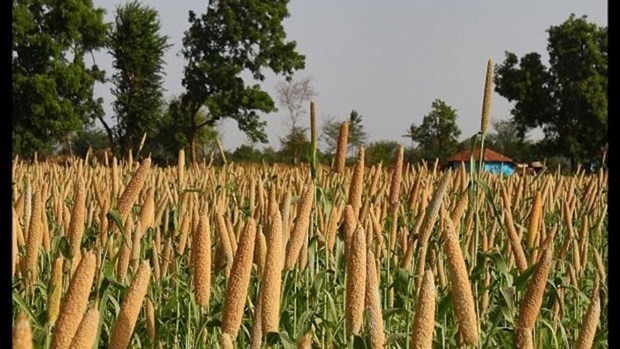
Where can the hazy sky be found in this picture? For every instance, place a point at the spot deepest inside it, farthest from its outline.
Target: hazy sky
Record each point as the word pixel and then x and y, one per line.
pixel 387 59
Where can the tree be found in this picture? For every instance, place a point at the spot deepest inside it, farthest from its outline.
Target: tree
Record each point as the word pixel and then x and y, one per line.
pixel 331 129
pixel 93 138
pixel 171 134
pixel 52 84
pixel 232 37
pixel 568 99
pixel 294 95
pixel 295 145
pixel 437 136
pixel 507 140
pixel 381 151
pixel 246 153
pixel 412 155
pixel 138 49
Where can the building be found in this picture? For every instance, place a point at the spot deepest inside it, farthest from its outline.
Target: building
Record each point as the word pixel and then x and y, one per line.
pixel 493 161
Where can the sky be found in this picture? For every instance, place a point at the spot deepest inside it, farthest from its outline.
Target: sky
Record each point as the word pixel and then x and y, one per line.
pixel 389 60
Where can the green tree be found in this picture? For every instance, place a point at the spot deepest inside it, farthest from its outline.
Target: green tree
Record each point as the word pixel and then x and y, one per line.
pixel 138 49
pixel 381 151
pixel 331 130
pixel 171 135
pixel 232 37
pixel 412 155
pixel 246 153
pixel 437 136
pixel 568 99
pixel 52 83
pixel 89 137
pixel 295 146
pixel 506 140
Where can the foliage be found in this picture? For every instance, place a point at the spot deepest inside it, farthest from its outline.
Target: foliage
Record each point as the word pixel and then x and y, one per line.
pixel 437 136
pixel 249 153
pixel 331 129
pixel 89 138
pixel 170 136
pixel 506 140
pixel 230 38
pixel 568 99
pixel 563 163
pixel 52 83
pixel 412 155
pixel 138 49
pixel 246 153
pixel 295 146
pixel 381 151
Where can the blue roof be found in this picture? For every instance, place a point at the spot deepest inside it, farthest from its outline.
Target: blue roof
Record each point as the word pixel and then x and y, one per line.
pixel 494 167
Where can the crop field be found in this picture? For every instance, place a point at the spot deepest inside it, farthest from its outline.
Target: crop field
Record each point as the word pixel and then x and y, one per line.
pixel 126 254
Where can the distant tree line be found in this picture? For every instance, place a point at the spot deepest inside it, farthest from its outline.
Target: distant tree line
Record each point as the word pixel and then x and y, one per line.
pixel 54 73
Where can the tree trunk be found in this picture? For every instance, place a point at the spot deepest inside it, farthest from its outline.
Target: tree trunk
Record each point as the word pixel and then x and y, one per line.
pixel 192 146
pixel 192 134
pixel 108 130
pixel 68 141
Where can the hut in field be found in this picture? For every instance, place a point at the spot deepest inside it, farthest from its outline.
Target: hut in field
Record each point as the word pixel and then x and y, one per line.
pixel 492 161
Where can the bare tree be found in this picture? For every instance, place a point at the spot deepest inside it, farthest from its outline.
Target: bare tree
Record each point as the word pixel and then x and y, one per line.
pixel 294 95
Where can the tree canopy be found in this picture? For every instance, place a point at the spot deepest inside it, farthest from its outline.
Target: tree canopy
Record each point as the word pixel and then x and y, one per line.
pixel 295 145
pixel 331 129
pixel 506 140
pixel 567 99
pixel 86 138
pixel 138 49
pixel 381 151
pixel 171 135
pixel 52 78
pixel 230 38
pixel 437 136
